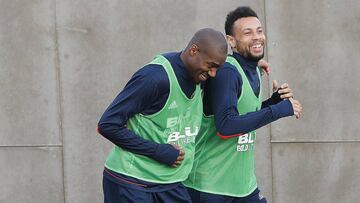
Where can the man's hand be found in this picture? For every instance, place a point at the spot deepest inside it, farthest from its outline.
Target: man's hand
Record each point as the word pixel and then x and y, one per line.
pixel 264 67
pixel 180 157
pixel 284 90
pixel 296 107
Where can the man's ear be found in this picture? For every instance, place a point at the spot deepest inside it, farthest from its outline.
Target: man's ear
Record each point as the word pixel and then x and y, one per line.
pixel 194 49
pixel 231 41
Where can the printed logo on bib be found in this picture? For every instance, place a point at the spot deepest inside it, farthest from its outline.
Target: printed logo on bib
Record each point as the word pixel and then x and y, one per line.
pixel 245 143
pixel 187 135
pixel 173 105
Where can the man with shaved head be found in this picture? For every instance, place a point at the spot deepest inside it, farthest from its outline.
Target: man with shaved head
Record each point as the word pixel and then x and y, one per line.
pixel 153 123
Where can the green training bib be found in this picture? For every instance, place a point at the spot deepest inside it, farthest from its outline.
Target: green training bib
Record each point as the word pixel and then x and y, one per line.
pixel 226 167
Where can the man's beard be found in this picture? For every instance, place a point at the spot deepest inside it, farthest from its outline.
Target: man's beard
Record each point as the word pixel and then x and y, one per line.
pixel 255 58
pixel 247 54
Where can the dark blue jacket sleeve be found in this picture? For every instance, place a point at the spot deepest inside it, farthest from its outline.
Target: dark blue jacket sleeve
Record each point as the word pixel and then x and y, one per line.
pixel 140 93
pixel 226 88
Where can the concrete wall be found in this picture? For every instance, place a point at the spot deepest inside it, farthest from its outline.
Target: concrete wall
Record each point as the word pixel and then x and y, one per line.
pixel 62 63
pixel 315 46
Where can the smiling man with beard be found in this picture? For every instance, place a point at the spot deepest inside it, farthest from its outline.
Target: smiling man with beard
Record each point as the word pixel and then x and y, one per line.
pixel 223 169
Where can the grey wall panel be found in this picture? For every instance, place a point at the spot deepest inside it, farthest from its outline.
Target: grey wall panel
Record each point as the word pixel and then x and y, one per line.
pixel 213 13
pixel 31 175
pixel 315 47
pixel 316 173
pixel 263 169
pixel 28 78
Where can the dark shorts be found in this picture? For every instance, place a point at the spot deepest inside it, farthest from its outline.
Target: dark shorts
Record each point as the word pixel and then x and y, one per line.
pixel 120 193
pixel 203 197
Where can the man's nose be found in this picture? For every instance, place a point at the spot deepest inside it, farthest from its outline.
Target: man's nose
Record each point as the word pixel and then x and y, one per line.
pixel 212 72
pixel 257 35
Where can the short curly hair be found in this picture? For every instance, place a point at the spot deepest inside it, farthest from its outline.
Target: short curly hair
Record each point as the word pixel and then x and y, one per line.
pixel 239 12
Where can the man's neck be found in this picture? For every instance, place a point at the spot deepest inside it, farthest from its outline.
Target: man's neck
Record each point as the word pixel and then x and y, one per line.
pixel 244 61
pixel 185 62
pixel 183 59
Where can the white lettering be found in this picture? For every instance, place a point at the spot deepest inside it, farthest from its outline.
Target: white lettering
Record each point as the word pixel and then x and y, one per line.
pixel 245 142
pixel 188 137
pixel 173 137
pixel 251 138
pixel 171 122
pixel 242 148
pixel 243 139
pixel 189 133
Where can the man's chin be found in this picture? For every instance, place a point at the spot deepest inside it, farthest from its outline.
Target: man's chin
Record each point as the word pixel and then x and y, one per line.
pixel 256 57
pixel 197 81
